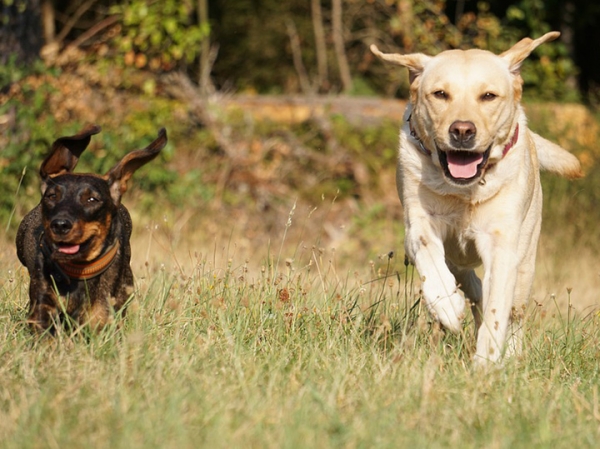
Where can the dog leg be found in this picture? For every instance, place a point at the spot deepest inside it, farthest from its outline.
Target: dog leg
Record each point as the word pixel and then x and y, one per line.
pixel 500 267
pixel 470 284
pixel 42 317
pixel 99 315
pixel 526 273
pixel 43 310
pixel 440 292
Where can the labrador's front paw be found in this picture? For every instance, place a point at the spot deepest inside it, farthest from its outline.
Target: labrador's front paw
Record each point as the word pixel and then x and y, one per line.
pixel 449 310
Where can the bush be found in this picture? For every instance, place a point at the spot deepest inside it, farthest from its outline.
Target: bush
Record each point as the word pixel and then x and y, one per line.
pixel 161 34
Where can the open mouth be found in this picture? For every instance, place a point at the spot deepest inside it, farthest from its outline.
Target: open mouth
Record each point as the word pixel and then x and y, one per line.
pixel 463 167
pixel 66 248
pixel 69 248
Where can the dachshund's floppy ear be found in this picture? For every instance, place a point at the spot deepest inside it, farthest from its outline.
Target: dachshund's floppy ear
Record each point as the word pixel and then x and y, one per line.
pixel 118 176
pixel 65 153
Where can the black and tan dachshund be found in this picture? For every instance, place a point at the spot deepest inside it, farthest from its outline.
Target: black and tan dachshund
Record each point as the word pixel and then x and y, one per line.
pixel 75 243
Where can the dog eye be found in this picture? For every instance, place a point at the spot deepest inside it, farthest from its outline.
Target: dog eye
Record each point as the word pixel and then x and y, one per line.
pixel 441 94
pixel 51 196
pixel 488 96
pixel 92 200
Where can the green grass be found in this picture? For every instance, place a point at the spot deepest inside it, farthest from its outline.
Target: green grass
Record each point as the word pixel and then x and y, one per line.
pixel 302 345
pixel 286 355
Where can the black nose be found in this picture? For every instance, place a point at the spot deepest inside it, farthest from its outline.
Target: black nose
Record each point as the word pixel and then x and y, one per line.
pixel 462 133
pixel 61 226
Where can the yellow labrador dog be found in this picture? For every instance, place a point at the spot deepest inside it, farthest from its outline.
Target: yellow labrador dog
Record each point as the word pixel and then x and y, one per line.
pixel 468 178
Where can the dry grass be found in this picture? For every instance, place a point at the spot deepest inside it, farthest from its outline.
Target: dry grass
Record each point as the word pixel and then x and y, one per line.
pixel 293 327
pixel 289 343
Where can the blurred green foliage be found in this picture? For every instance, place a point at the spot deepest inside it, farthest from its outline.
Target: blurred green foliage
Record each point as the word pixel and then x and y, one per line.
pixel 255 56
pixel 248 45
pixel 548 73
pixel 252 42
pixel 159 34
pixel 24 145
pixel 33 127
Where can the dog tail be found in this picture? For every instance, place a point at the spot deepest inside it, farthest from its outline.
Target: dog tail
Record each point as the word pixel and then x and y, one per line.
pixel 556 159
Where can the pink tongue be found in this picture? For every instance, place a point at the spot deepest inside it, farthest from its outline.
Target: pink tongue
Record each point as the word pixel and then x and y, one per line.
pixel 72 249
pixel 463 164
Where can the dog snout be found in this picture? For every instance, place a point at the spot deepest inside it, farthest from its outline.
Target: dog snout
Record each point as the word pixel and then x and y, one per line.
pixel 61 226
pixel 462 133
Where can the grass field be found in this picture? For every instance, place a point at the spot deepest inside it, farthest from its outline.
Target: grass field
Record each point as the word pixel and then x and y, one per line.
pixel 299 326
pixel 285 350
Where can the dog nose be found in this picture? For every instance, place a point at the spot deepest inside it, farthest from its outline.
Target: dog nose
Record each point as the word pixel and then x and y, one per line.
pixel 61 226
pixel 462 133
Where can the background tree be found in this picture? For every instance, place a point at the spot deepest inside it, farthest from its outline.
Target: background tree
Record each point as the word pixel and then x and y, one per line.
pixel 298 46
pixel 20 38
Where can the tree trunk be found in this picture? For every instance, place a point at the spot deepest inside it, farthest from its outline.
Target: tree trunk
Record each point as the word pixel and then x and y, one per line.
pixel 567 36
pixel 338 41
pixel 20 31
pixel 206 57
pixel 48 21
pixel 320 46
pixel 297 57
pixel 406 17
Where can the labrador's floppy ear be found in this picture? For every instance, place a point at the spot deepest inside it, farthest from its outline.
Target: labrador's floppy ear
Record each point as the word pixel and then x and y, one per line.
pixel 518 52
pixel 118 176
pixel 65 154
pixel 415 62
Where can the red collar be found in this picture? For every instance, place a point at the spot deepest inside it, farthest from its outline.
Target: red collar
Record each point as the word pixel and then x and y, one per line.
pixel 427 152
pixel 512 142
